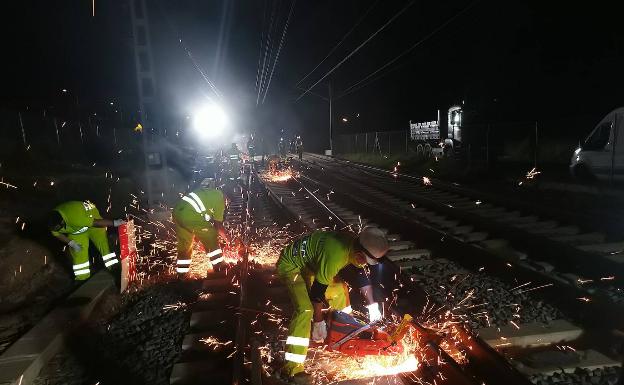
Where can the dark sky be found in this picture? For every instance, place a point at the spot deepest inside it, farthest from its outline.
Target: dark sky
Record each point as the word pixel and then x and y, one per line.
pixel 508 61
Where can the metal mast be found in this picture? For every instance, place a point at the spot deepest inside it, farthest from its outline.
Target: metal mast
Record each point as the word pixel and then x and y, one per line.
pixel 157 188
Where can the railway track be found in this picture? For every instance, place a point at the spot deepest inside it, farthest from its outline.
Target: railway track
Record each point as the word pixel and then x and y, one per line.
pixel 571 253
pixel 498 328
pixel 533 332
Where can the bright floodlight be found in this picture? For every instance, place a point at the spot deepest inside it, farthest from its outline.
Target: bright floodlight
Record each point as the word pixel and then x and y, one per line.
pixel 209 121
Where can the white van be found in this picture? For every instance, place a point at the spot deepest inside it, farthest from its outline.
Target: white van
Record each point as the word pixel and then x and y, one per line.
pixel 601 154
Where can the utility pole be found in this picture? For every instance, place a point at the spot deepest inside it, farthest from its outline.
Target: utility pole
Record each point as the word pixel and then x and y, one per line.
pixel 156 186
pixel 331 142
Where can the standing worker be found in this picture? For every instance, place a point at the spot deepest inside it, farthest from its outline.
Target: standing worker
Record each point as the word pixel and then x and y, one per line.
pixel 75 223
pixel 234 162
pixel 309 267
pixel 299 147
pixel 251 148
pixel 200 215
pixel 281 148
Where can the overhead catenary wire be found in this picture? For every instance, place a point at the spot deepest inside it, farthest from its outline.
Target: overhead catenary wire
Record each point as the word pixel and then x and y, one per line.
pixel 358 85
pixel 371 37
pixel 267 51
pixel 188 52
pixel 279 49
pixel 260 55
pixel 339 43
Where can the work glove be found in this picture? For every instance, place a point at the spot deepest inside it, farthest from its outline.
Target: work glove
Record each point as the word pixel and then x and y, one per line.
pixel 118 222
pixel 319 331
pixel 75 246
pixel 374 314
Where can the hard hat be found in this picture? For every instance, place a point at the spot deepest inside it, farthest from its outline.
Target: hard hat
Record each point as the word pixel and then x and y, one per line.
pixel 374 244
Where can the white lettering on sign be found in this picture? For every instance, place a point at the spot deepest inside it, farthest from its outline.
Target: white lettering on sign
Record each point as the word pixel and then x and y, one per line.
pixel 425 130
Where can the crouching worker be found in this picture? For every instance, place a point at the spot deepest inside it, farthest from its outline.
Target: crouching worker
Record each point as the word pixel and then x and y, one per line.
pixel 77 223
pixel 199 215
pixel 309 267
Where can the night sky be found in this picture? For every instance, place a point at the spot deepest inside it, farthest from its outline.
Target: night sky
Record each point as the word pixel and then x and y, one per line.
pixel 507 61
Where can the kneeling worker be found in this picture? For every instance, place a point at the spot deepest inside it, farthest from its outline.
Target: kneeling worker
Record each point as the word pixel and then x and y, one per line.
pixel 75 223
pixel 319 257
pixel 200 215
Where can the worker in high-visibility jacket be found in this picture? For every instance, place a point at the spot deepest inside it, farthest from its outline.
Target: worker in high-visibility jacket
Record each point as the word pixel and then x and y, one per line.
pixel 77 223
pixel 200 215
pixel 309 267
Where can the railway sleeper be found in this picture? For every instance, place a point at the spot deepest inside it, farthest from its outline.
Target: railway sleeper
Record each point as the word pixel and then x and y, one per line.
pixel 581 239
pixel 409 254
pixel 400 245
pixel 558 361
pixel 530 334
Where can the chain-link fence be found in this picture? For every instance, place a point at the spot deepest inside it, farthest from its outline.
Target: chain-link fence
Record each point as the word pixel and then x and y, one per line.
pixel 526 142
pixel 27 135
pixel 386 142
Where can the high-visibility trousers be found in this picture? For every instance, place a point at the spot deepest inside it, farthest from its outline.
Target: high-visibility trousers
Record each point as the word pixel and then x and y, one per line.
pixel 187 229
pixel 81 264
pixel 298 284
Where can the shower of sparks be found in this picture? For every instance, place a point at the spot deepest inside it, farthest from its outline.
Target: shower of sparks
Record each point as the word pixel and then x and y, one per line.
pixel 329 366
pixel 7 185
pixel 278 175
pixel 214 343
pixel 174 306
pixel 533 173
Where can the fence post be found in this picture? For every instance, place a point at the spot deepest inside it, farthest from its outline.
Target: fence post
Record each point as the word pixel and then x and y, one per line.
pixel 535 153
pixel 406 142
pixel 80 130
pixel 487 146
pixel 615 139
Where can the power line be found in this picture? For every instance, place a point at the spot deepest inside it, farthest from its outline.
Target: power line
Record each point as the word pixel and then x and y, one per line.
pixel 354 87
pixel 393 18
pixel 267 51
pixel 178 36
pixel 340 42
pixel 279 49
pixel 264 14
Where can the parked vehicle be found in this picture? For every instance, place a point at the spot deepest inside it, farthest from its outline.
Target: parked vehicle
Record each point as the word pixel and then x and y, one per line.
pixel 601 154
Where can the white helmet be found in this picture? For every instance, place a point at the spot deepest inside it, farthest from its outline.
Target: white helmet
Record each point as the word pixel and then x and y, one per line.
pixel 374 243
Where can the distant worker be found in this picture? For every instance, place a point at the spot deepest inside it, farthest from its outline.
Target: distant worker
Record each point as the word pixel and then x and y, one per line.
pixel 251 147
pixel 200 215
pixel 309 267
pixel 299 147
pixel 77 223
pixel 234 162
pixel 281 147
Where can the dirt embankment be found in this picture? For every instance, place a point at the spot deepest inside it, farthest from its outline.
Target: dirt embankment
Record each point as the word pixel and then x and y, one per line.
pixel 35 270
